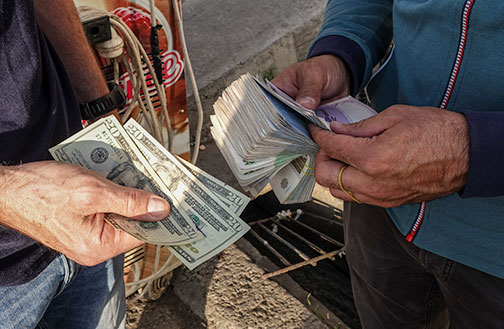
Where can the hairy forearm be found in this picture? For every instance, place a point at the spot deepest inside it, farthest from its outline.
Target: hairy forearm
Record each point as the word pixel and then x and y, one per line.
pixel 60 22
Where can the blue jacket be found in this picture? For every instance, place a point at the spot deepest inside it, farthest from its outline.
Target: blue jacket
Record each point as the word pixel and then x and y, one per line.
pixel 447 54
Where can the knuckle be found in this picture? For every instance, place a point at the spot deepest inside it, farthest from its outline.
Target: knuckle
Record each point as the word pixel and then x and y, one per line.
pixel 368 166
pixel 87 197
pixel 87 190
pixel 133 201
pixel 320 178
pixel 380 163
pixel 395 108
pixel 376 191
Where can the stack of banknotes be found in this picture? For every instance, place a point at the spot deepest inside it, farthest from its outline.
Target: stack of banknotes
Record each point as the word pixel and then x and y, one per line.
pixel 262 133
pixel 204 216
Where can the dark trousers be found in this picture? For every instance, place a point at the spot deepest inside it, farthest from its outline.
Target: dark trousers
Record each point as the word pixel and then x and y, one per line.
pixel 397 285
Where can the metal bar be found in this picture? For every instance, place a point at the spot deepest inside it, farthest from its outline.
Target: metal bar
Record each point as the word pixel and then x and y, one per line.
pixel 327 205
pixel 299 265
pixel 133 261
pixel 260 221
pixel 331 221
pixel 322 235
pixel 287 244
pixel 311 244
pixel 270 248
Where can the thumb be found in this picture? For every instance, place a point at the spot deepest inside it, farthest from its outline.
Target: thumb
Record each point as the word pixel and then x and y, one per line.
pixel 310 90
pixel 136 204
pixel 365 128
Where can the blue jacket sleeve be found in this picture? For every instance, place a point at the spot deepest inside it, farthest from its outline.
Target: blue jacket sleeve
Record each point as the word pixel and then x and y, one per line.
pixel 346 49
pixel 367 23
pixel 486 154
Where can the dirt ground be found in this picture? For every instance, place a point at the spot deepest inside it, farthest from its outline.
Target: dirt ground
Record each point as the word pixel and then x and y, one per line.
pixel 226 292
pixel 167 312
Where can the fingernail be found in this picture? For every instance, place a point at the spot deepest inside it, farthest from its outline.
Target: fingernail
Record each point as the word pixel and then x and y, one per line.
pixel 307 101
pixel 158 207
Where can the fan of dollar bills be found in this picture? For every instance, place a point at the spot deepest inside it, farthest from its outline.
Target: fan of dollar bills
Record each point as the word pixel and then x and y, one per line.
pixel 204 215
pixel 262 133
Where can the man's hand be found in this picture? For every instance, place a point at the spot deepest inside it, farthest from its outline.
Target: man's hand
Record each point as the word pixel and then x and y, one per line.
pixel 319 79
pixel 404 154
pixel 63 205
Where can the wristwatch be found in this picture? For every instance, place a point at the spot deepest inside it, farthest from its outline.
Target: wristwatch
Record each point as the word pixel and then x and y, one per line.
pixel 115 99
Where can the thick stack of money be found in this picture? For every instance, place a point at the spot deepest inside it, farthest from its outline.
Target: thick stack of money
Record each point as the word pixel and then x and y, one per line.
pixel 204 216
pixel 262 133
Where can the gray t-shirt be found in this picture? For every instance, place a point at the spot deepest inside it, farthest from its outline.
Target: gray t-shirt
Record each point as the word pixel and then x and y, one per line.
pixel 38 109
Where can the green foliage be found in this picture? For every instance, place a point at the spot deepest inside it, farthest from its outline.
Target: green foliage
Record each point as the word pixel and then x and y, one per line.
pixel 269 73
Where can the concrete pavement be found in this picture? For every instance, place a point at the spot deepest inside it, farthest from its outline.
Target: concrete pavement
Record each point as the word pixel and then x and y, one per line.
pixel 227 38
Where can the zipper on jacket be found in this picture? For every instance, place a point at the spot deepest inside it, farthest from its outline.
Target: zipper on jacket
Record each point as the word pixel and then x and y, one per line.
pixel 446 98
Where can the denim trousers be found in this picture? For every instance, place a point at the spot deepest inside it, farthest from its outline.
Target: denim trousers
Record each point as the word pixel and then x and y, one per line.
pixel 67 295
pixel 397 285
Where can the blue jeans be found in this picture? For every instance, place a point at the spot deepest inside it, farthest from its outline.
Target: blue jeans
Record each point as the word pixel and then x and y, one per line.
pixel 67 295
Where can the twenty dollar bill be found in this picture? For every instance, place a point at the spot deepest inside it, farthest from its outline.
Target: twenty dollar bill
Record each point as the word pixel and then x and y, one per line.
pixel 216 220
pixel 105 148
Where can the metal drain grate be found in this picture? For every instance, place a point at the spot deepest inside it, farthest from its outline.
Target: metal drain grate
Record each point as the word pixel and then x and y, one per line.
pixel 286 228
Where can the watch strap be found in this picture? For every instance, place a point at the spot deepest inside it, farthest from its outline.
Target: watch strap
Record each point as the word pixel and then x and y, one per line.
pixel 113 100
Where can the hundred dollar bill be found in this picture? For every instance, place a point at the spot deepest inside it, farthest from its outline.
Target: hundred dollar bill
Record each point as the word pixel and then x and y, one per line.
pixel 105 148
pixel 233 199
pixel 220 226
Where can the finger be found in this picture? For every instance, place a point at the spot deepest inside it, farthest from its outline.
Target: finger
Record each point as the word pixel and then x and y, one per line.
pixel 310 89
pixel 341 195
pixel 327 170
pixel 347 149
pixel 365 128
pixel 286 81
pixel 114 241
pixel 363 188
pixel 126 242
pixel 327 174
pixel 345 197
pixel 133 203
pixel 102 242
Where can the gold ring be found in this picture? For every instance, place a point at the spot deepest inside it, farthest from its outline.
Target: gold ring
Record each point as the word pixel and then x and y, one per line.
pixel 341 185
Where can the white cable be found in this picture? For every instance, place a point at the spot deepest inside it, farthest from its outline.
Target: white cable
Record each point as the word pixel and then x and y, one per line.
pixel 199 128
pixel 136 56
pixel 137 47
pixel 152 13
pixel 136 276
pixel 156 260
pixel 125 47
pixel 136 53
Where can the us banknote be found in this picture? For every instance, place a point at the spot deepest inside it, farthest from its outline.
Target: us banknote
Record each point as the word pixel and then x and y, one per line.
pixel 105 148
pixel 220 225
pixel 232 198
